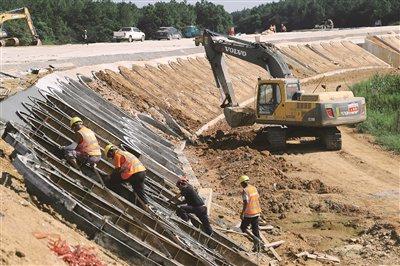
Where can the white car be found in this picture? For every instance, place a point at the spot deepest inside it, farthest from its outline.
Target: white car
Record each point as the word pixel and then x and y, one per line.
pixel 130 34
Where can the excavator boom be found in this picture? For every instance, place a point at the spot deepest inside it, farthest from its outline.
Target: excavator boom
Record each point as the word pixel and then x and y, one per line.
pixel 261 54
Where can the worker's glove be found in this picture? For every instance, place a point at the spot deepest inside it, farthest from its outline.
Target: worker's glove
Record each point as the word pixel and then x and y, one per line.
pixel 242 216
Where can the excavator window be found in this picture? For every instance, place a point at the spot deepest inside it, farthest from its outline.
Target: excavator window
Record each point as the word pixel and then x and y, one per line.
pixel 291 90
pixel 269 97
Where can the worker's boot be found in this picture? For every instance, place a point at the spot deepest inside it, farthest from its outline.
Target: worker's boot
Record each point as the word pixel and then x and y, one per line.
pixel 256 246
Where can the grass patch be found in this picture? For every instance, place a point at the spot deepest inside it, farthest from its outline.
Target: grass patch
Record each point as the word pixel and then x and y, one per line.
pixel 382 94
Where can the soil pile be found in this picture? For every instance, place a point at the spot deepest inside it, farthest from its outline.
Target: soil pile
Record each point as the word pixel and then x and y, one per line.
pixel 185 88
pixel 311 59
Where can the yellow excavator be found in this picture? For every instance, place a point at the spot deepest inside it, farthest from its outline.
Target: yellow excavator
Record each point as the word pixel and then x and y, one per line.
pixel 280 104
pixel 20 13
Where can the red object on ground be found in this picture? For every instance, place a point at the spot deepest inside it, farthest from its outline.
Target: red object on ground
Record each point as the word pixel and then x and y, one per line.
pixel 73 255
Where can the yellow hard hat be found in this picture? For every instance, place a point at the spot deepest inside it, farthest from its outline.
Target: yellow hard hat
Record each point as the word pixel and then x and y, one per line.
pixel 108 148
pixel 74 120
pixel 243 178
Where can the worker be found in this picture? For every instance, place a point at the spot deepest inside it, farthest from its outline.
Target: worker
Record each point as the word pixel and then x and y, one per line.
pixel 251 210
pixel 329 23
pixel 194 204
pixel 85 148
pixel 128 169
pixel 85 37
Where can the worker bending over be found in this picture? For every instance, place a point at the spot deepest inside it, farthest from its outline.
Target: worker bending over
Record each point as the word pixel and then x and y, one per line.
pixel 128 169
pixel 251 210
pixel 194 204
pixel 85 148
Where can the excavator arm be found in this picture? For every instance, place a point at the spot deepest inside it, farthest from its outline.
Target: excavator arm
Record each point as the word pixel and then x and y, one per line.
pixel 21 13
pixel 261 54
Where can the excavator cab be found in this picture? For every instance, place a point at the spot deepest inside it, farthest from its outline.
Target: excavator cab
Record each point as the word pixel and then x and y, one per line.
pixel 269 97
pixel 272 95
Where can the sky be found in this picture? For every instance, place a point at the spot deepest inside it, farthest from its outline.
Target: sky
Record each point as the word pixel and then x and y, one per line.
pixel 230 5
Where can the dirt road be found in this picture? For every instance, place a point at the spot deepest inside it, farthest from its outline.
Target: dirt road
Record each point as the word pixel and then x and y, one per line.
pixel 368 175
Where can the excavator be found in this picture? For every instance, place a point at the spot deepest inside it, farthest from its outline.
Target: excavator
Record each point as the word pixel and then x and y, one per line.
pixel 280 104
pixel 20 13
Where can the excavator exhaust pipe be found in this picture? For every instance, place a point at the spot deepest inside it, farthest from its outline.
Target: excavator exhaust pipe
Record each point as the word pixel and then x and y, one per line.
pixel 239 116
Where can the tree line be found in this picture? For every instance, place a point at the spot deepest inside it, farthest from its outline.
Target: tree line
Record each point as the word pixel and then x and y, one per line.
pixel 63 21
pixel 305 14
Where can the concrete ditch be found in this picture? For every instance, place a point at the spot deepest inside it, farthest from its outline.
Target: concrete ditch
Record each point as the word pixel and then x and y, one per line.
pixel 42 128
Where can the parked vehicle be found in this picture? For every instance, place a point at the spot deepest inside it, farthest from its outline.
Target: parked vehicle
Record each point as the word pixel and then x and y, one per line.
pixel 191 31
pixel 167 33
pixel 130 34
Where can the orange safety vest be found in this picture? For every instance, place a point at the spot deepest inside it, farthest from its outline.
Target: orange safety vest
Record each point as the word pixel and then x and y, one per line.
pixel 253 205
pixel 89 144
pixel 129 164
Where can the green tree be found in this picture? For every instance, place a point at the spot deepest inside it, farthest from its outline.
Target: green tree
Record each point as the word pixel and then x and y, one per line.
pixel 213 17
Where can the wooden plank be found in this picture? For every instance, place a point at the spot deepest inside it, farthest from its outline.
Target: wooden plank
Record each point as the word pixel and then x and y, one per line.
pixel 230 231
pixel 266 227
pixel 266 242
pixel 318 256
pixel 270 248
pixel 275 244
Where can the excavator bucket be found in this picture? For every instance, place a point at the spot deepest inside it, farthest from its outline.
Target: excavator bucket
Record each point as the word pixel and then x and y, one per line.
pixel 239 116
pixel 37 42
pixel 9 42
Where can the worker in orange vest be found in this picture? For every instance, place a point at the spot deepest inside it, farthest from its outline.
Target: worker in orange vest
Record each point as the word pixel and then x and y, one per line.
pixel 128 169
pixel 251 210
pixel 85 148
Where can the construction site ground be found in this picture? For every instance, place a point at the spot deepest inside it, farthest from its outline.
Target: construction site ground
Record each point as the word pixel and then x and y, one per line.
pixel 317 200
pixel 343 203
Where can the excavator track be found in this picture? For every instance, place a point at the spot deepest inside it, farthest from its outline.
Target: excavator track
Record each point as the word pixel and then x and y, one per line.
pixel 276 137
pixel 331 138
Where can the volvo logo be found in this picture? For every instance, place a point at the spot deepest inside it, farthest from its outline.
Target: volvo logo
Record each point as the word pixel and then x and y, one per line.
pixel 235 51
